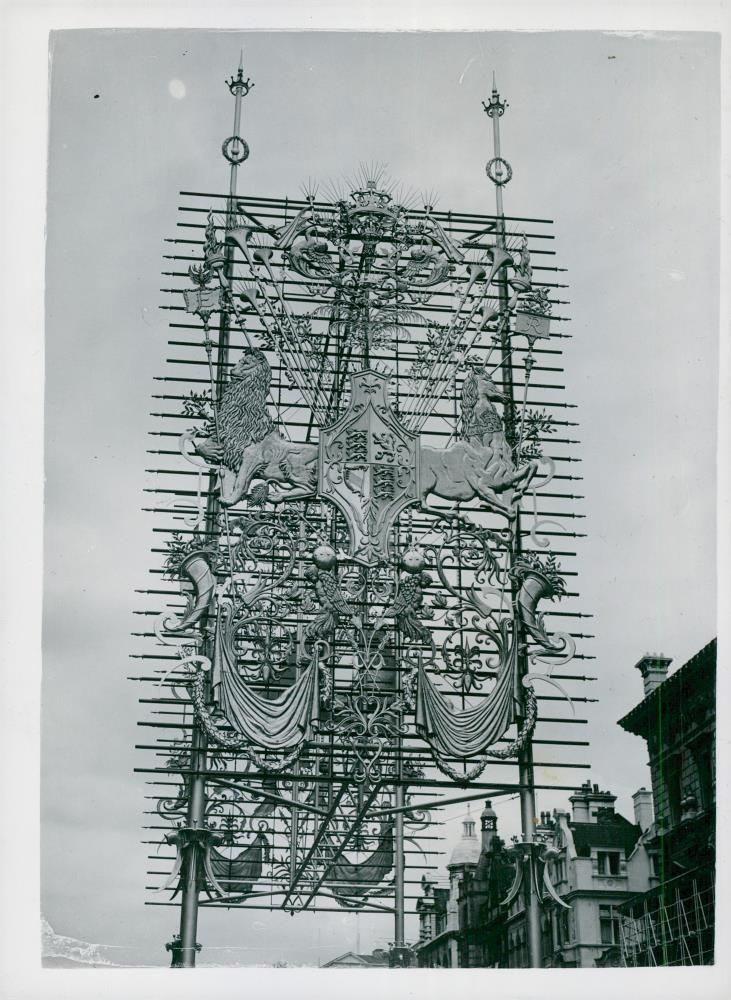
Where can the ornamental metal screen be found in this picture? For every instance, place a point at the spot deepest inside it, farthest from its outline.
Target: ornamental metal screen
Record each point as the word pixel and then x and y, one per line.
pixel 365 523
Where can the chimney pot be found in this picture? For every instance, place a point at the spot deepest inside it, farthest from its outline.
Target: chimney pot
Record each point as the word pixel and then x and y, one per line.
pixel 654 670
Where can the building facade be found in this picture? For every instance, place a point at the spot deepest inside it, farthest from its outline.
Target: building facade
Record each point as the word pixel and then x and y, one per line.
pixel 597 860
pixel 439 907
pixel 674 923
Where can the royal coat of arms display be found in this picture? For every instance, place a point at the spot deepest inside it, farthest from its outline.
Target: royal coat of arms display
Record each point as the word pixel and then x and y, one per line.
pixel 365 475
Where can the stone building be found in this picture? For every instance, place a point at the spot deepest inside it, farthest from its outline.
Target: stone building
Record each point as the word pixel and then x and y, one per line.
pixel 483 940
pixel 600 861
pixel 674 923
pixel 438 909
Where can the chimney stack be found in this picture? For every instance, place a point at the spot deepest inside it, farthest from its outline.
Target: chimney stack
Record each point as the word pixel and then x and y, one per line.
pixel 642 800
pixel 589 801
pixel 654 670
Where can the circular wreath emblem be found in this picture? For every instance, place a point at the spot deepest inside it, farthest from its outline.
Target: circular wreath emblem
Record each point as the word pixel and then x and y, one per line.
pixel 235 149
pixel 499 171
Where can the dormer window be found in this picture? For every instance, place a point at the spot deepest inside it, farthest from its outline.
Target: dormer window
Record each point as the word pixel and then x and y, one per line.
pixel 607 862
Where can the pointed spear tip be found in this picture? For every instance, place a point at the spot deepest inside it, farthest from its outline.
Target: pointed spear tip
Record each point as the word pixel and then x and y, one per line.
pixel 241 60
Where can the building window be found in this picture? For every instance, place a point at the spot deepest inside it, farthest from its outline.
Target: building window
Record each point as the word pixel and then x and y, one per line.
pixel 607 862
pixel 523 950
pixel 559 871
pixel 703 757
pixel 547 934
pixel 563 927
pixel 673 777
pixel 609 925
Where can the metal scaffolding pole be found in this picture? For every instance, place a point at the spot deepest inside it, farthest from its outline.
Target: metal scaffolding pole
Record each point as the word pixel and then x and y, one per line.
pixel 399 861
pixel 499 171
pixel 184 950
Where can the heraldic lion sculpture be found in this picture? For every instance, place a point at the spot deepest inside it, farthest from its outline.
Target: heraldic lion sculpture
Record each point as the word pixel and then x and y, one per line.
pixel 249 445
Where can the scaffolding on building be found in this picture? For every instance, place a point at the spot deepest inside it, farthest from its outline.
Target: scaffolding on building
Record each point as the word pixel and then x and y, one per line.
pixel 671 925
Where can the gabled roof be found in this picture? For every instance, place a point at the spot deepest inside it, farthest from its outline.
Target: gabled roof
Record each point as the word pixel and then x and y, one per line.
pixel 354 959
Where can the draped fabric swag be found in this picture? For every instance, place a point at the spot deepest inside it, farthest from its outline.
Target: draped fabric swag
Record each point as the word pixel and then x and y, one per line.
pixel 274 724
pixel 466 732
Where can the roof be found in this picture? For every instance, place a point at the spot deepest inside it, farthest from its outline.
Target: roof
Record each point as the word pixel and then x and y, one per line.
pixel 613 832
pixel 350 958
pixel 702 666
pixel 467 850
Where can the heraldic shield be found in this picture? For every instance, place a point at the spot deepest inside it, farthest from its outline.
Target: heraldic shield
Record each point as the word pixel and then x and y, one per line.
pixel 368 466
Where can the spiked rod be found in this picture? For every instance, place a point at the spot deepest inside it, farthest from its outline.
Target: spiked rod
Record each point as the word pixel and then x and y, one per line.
pixel 235 150
pixel 499 172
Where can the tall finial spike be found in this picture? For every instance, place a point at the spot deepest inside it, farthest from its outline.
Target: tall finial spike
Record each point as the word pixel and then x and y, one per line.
pixel 241 62
pixel 494 85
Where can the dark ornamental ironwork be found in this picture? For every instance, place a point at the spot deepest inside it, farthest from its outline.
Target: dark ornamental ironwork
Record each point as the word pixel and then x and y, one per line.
pixel 369 467
pixel 364 545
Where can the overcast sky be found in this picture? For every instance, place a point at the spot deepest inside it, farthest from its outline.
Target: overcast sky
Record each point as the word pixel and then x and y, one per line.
pixel 615 138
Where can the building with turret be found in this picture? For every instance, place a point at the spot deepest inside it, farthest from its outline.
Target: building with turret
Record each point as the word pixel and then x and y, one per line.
pixel 596 861
pixel 438 909
pixel 483 941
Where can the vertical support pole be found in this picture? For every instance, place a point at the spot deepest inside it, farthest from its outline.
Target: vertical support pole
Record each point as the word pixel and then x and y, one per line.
pixel 196 818
pixel 399 944
pixel 398 833
pixel 500 174
pixel 235 152
pixel 294 831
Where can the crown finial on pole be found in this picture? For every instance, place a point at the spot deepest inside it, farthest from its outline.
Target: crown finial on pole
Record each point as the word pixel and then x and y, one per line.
pixel 496 107
pixel 498 170
pixel 239 86
pixel 235 149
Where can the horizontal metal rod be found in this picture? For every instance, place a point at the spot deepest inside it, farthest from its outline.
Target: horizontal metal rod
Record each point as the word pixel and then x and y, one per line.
pixel 437 803
pixel 186 727
pixel 286 208
pixel 422 782
pixel 546 352
pixel 407 783
pixel 294 204
pixel 197 243
pixel 178 513
pixel 212 903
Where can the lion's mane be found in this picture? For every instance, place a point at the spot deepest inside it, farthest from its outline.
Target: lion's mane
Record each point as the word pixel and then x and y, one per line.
pixel 243 416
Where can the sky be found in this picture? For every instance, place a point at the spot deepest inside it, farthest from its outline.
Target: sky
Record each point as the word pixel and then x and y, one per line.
pixel 616 138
